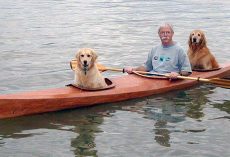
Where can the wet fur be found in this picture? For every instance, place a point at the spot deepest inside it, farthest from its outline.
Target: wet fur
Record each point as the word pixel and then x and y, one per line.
pixel 199 55
pixel 88 76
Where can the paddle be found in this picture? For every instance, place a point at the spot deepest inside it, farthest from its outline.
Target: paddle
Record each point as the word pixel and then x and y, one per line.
pixel 73 64
pixel 217 81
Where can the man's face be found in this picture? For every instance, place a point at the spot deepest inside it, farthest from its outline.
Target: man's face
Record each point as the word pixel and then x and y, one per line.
pixel 166 35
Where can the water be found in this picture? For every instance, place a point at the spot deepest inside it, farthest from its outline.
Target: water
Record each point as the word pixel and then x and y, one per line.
pixel 39 38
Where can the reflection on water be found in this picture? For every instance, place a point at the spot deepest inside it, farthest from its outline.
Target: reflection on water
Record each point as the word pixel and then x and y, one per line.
pixel 84 144
pixel 78 127
pixel 162 133
pixel 149 124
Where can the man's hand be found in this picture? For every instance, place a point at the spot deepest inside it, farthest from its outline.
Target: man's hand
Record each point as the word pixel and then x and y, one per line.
pixel 128 70
pixel 173 75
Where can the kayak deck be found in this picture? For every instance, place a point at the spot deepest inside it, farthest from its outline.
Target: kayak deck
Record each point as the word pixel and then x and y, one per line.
pixel 126 87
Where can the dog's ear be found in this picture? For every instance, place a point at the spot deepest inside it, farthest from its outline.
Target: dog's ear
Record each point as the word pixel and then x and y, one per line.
pixel 94 55
pixel 78 58
pixel 190 40
pixel 203 41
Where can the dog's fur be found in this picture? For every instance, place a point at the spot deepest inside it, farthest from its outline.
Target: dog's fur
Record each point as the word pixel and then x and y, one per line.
pixel 199 55
pixel 87 74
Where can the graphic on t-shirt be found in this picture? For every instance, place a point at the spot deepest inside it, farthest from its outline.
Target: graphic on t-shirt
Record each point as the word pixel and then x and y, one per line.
pixel 155 57
pixel 167 59
pixel 162 58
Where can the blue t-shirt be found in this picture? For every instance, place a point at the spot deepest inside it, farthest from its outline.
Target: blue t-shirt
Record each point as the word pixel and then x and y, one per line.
pixel 166 59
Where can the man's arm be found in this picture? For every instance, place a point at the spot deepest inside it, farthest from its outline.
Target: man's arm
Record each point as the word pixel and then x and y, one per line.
pixel 140 68
pixel 173 75
pixel 131 69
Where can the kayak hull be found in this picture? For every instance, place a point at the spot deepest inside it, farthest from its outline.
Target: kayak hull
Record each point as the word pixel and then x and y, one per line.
pixel 126 87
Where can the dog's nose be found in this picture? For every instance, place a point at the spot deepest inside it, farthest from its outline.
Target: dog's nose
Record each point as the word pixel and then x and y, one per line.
pixel 85 62
pixel 194 40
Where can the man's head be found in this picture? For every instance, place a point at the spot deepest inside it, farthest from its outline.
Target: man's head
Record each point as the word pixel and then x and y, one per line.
pixel 165 33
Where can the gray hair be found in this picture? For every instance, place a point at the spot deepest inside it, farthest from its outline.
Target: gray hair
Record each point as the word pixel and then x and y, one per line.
pixel 166 25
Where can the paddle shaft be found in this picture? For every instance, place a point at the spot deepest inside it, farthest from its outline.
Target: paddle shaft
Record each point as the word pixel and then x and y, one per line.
pixel 193 78
pixel 216 81
pixel 122 70
pixel 73 64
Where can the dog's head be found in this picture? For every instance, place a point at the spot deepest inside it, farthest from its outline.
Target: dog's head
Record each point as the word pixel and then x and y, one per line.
pixel 86 58
pixel 197 39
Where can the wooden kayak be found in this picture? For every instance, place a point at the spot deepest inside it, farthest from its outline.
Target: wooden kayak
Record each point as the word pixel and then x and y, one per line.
pixel 126 87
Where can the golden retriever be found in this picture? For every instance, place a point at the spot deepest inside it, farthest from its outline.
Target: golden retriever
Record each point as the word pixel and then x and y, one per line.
pixel 87 74
pixel 199 55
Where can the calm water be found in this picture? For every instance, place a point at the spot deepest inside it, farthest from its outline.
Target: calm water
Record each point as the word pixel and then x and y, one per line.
pixel 38 38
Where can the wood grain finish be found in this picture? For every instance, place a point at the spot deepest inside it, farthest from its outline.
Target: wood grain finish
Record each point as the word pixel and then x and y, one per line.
pixel 127 87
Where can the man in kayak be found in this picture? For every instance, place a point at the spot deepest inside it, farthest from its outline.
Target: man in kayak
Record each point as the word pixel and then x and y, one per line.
pixel 166 58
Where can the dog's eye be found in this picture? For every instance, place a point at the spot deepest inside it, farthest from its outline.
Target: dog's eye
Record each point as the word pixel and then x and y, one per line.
pixel 193 34
pixel 82 55
pixel 199 34
pixel 88 56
